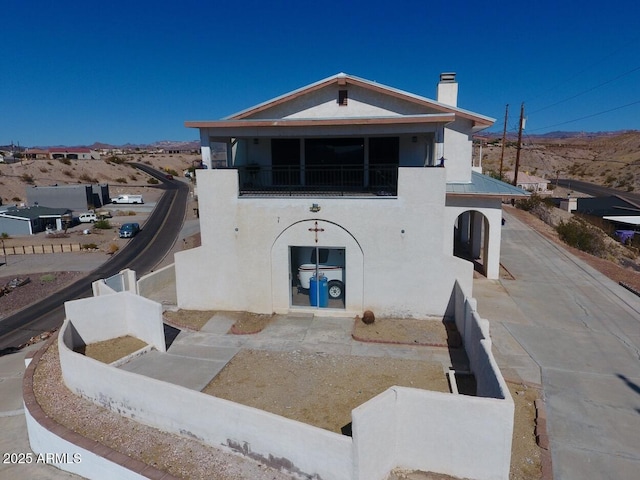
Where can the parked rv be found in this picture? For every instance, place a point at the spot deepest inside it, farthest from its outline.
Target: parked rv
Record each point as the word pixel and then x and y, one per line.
pixel 127 199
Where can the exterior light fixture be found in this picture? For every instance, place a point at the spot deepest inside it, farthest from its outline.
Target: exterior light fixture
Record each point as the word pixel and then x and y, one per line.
pixel 314 208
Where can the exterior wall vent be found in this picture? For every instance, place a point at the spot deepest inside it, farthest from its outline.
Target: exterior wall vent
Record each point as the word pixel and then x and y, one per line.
pixel 343 97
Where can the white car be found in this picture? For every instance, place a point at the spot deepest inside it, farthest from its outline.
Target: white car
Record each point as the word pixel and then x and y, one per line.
pixel 88 217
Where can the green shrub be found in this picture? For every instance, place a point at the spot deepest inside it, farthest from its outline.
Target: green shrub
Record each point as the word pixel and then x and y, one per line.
pixel 582 236
pixel 529 203
pixel 171 171
pixel 47 277
pixel 102 224
pixel 153 181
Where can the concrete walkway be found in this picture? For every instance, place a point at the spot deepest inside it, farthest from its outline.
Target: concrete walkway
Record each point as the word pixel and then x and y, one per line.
pixel 564 324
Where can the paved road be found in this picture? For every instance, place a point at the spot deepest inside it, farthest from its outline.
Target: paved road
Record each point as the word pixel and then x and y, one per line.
pixel 597 190
pixel 583 331
pixel 142 254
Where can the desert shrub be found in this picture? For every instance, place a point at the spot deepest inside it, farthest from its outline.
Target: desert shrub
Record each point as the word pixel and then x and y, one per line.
pixel 582 236
pixel 4 235
pixel 102 224
pixel 529 203
pixel 112 248
pixel 68 173
pixel 115 159
pixel 133 177
pixel 131 213
pixel 88 246
pixel 16 199
pixel 121 180
pixel 66 161
pixel 49 163
pixel 153 181
pixel 43 170
pixel 85 177
pixel 47 278
pixel 171 171
pixel 26 178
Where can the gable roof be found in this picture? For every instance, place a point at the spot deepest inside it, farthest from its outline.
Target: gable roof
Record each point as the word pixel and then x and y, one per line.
pixel 444 113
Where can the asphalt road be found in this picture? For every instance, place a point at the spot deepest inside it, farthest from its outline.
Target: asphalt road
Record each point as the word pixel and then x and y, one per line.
pixel 597 190
pixel 583 331
pixel 141 254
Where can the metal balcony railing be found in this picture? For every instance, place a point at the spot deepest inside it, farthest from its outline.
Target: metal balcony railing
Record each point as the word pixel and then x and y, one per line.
pixel 326 179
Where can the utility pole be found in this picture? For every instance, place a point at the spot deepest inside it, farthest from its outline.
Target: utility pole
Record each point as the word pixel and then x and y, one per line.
pixel 504 138
pixel 515 174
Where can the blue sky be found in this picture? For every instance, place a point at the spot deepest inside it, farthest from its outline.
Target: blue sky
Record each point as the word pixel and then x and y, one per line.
pixel 79 72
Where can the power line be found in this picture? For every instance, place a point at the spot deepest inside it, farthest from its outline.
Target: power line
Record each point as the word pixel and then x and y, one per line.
pixel 588 116
pixel 587 91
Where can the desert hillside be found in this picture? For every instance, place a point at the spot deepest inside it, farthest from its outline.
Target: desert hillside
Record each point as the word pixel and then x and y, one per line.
pixel 121 177
pixel 606 159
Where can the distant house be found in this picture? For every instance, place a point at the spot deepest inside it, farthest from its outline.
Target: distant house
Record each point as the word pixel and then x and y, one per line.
pixel 37 154
pixel 30 220
pixel 74 197
pixel 74 153
pixel 531 183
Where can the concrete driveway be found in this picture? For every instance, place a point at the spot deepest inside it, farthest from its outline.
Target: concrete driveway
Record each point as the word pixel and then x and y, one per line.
pixel 582 330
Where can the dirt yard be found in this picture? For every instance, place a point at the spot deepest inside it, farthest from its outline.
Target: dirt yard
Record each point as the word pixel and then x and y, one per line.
pixel 321 389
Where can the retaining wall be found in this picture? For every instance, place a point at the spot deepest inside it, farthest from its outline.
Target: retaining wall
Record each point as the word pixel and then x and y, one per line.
pixel 402 427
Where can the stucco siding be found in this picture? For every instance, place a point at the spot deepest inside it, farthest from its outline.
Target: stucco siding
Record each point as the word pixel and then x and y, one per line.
pixel 394 259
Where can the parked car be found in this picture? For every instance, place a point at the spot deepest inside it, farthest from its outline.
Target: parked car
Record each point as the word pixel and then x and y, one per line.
pixel 88 217
pixel 129 230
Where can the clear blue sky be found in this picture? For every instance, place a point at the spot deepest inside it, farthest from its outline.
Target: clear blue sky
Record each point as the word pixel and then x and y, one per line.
pixel 78 72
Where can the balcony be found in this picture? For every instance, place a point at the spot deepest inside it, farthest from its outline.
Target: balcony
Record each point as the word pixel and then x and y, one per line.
pixel 325 180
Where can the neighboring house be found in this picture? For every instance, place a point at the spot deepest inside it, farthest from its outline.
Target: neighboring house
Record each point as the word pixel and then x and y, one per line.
pixel 75 197
pixel 74 153
pixel 30 220
pixel 527 182
pixel 608 206
pixel 368 181
pixel 37 154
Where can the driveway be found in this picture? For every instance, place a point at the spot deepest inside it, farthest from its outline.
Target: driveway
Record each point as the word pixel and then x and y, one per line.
pixel 582 331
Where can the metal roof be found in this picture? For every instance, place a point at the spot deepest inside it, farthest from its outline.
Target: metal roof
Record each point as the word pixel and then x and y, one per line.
pixel 628 219
pixel 485 185
pixel 32 213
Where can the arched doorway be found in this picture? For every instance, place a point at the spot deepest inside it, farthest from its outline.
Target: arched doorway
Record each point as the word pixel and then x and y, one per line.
pixel 311 246
pixel 471 239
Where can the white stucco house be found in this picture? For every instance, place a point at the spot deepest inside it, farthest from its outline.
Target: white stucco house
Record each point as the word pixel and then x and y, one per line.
pixel 367 184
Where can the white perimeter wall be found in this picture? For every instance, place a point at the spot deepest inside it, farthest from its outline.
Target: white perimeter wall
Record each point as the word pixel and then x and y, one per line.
pixel 243 261
pixel 402 427
pixel 111 316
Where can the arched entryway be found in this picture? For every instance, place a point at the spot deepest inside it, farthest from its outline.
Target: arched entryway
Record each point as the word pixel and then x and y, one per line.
pixel 471 239
pixel 307 245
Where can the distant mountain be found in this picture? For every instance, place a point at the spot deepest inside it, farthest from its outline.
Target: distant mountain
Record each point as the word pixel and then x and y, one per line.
pixel 554 135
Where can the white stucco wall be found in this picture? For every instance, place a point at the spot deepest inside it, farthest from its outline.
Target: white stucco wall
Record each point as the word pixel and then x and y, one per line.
pixel 396 261
pixel 491 208
pixel 112 316
pixel 402 427
pixel 458 149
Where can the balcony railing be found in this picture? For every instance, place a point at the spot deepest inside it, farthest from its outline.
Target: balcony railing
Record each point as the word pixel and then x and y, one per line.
pixel 335 180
